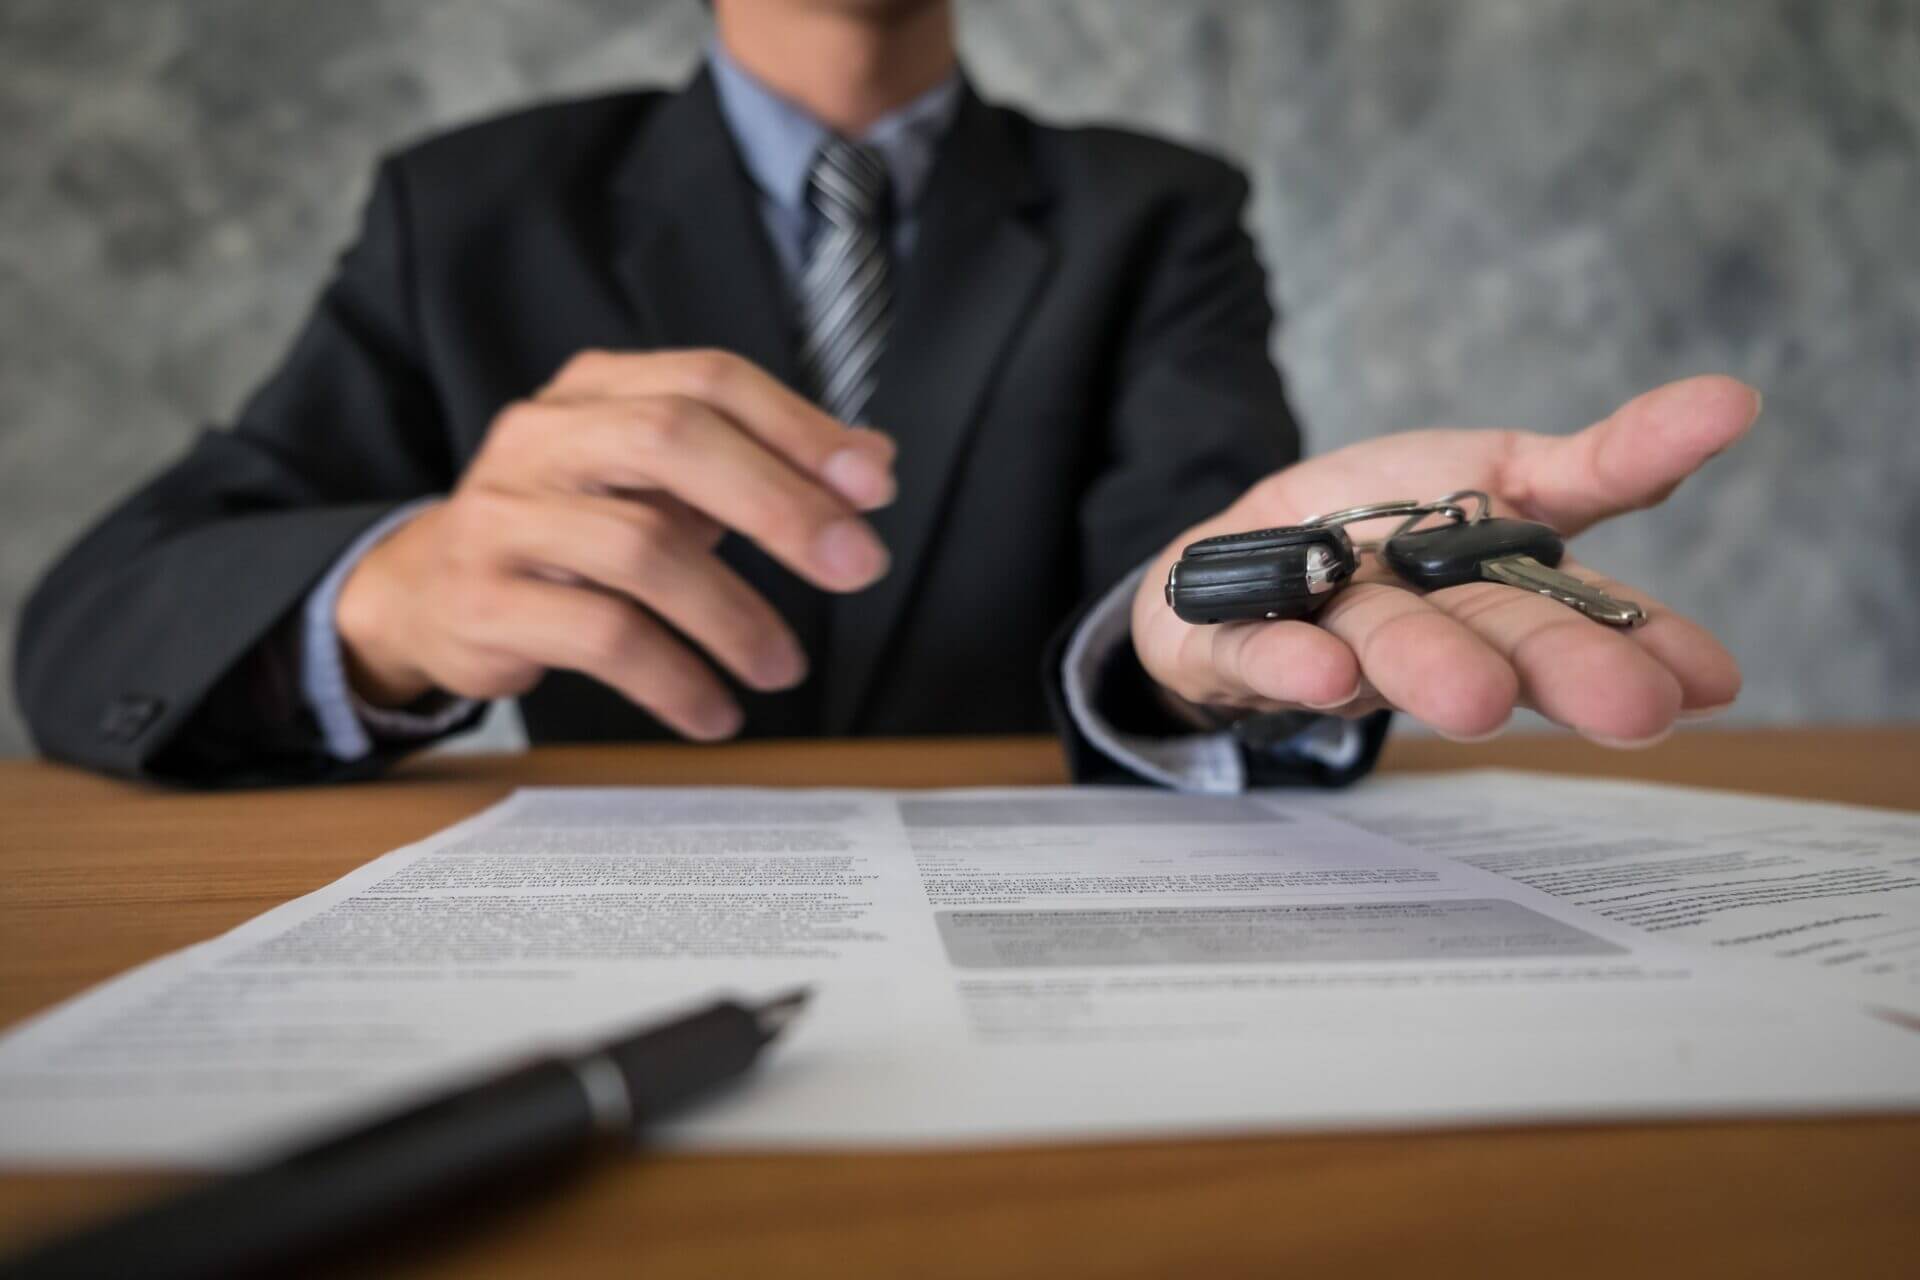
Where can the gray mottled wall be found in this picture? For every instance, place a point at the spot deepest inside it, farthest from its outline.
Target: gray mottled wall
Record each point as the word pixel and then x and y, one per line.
pixel 1510 212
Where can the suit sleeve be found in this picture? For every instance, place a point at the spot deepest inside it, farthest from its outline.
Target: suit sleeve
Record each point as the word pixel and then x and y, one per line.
pixel 1198 412
pixel 156 646
pixel 1198 416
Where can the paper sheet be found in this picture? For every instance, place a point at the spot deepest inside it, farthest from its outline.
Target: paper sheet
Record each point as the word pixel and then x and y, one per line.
pixel 1833 890
pixel 988 965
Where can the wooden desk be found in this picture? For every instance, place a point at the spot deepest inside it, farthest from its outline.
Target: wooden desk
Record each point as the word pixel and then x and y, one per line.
pixel 96 877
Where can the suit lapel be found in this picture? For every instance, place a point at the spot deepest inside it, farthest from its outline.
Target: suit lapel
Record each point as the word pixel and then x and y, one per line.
pixel 959 298
pixel 691 251
pixel 692 255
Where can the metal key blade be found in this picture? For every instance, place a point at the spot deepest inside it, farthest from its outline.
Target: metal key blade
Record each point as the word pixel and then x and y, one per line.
pixel 1530 575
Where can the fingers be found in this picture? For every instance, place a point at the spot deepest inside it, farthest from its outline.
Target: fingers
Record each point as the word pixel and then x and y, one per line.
pixel 857 463
pixel 1423 661
pixel 696 527
pixel 642 554
pixel 1630 460
pixel 1595 679
pixel 1459 660
pixel 1373 645
pixel 608 492
pixel 1708 673
pixel 1256 665
pixel 603 636
pixel 1262 664
pixel 706 462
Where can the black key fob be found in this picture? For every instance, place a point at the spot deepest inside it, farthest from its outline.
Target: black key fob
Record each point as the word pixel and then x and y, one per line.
pixel 1268 573
pixel 1448 555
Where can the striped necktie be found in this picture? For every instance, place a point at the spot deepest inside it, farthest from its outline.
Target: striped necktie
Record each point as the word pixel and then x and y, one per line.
pixel 845 298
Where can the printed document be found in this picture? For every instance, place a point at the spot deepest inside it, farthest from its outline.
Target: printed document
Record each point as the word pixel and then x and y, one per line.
pixel 1833 890
pixel 987 967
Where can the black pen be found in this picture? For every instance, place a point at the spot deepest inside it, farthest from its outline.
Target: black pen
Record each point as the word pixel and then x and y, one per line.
pixel 545 1115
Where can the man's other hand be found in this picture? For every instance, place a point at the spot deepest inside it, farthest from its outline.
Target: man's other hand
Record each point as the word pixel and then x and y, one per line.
pixel 1461 659
pixel 582 537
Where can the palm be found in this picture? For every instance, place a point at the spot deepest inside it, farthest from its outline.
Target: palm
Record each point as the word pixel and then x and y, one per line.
pixel 1412 464
pixel 1462 658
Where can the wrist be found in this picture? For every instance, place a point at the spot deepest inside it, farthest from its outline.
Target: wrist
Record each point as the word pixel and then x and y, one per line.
pixel 368 617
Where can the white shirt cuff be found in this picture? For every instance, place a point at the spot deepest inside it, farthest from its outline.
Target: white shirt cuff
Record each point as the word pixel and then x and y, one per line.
pixel 347 723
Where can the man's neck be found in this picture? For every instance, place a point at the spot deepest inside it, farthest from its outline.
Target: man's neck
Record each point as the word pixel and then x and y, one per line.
pixel 846 69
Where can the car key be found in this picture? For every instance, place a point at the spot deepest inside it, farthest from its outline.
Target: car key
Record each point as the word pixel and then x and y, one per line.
pixel 1288 572
pixel 1517 553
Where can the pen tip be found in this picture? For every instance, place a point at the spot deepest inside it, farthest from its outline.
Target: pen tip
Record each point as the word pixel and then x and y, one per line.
pixel 775 1014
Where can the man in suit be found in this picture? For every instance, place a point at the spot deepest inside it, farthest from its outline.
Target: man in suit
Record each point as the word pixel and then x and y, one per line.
pixel 812 398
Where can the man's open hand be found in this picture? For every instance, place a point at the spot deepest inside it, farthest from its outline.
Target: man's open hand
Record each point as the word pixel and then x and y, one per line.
pixel 1461 659
pixel 582 537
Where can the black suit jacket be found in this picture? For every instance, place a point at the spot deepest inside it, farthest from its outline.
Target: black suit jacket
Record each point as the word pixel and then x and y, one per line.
pixel 1078 370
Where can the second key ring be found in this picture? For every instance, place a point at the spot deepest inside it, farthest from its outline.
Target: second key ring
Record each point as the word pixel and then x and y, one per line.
pixel 1450 505
pixel 1380 511
pixel 1414 512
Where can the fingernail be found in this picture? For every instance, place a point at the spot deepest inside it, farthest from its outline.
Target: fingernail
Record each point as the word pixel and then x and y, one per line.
pixel 859 477
pixel 780 667
pixel 1704 713
pixel 876 442
pixel 850 553
pixel 1630 744
pixel 716 720
pixel 1350 695
pixel 1470 738
pixel 1759 403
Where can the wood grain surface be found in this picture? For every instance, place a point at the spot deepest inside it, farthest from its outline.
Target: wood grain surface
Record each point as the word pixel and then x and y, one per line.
pixel 98 876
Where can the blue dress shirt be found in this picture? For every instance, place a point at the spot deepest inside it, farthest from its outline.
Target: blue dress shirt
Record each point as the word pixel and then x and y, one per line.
pixel 778 141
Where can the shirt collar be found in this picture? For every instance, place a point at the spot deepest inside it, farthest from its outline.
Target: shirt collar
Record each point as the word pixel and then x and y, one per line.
pixel 778 138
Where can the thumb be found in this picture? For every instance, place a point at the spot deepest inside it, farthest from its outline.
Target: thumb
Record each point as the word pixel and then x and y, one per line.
pixel 1633 458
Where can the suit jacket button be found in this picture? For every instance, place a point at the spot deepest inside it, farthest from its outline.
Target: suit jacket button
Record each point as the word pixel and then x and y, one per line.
pixel 128 716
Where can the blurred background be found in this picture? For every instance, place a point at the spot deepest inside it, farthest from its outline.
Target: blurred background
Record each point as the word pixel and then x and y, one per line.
pixel 1485 212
